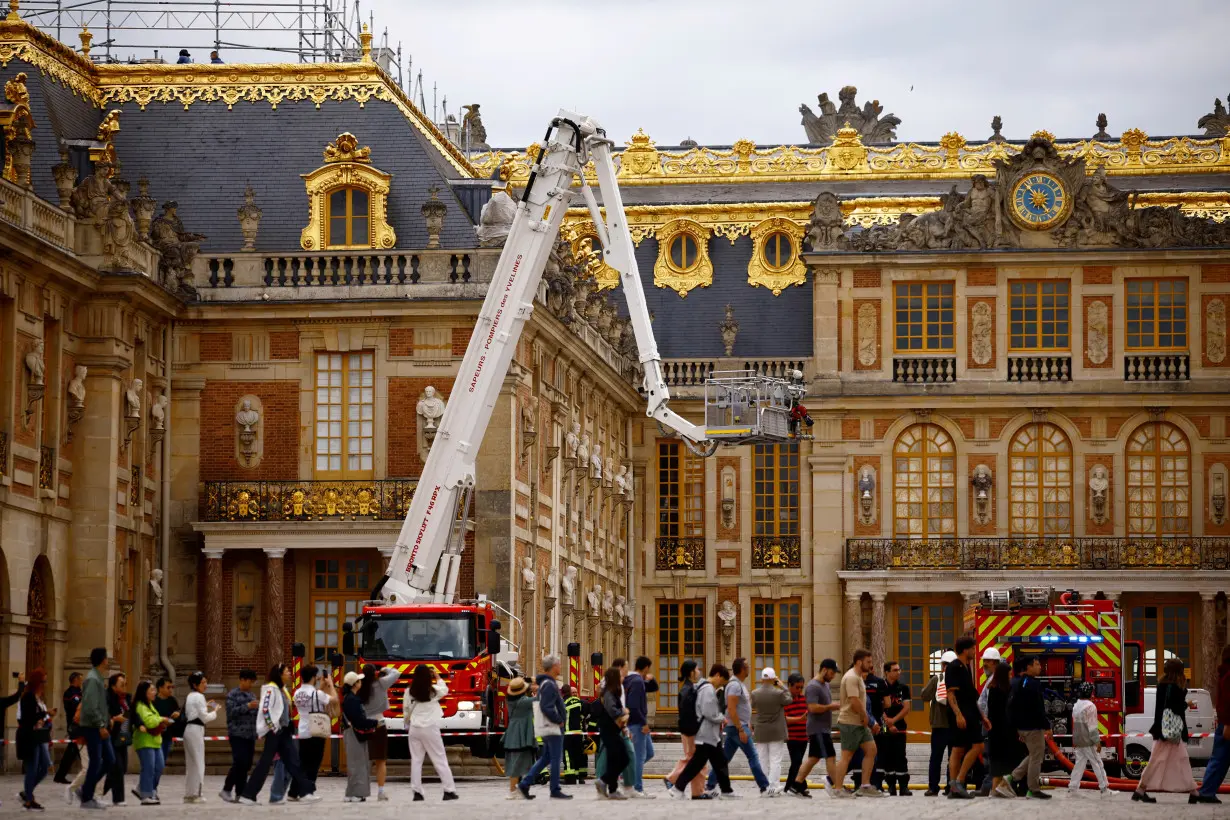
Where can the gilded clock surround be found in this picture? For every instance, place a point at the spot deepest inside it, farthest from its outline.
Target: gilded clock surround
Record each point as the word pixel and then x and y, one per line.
pixel 346 165
pixel 666 274
pixel 1039 201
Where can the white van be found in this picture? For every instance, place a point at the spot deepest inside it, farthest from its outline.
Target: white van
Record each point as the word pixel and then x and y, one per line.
pixel 1201 720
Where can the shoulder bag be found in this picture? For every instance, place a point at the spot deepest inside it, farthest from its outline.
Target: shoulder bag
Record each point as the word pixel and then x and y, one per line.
pixel 319 724
pixel 1172 725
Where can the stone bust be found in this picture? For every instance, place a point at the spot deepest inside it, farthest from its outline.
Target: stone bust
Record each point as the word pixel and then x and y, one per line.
pixel 158 411
pixel 594 597
pixel 132 399
pixel 608 603
pixel 527 574
pixel 595 462
pixel 727 613
pixel 568 586
pixel 430 407
pixel 247 418
pixel 573 439
pixel 155 586
pixel 583 449
pixel 35 363
pixel 621 480
pixel 76 386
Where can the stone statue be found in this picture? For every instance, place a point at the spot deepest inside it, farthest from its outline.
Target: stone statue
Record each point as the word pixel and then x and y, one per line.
pixel 594 599
pixel 867 492
pixel 621 608
pixel 871 126
pixel 431 409
pixel 1099 485
pixel 247 418
pixel 727 614
pixel 568 586
pixel 560 276
pixel 572 441
pixel 35 364
pixel 92 198
pixel 595 463
pixel 249 214
pixel 978 215
pixel 997 125
pixel 824 230
pixel 621 480
pixel 608 603
pixel 608 469
pixel 583 449
pixel 496 218
pixel 552 584
pixel 729 328
pixel 473 133
pixel 527 419
pixel 527 574
pixel 177 246
pixel 158 411
pixel 1216 124
pixel 132 400
pixel 1101 134
pixel 155 587
pixel 76 387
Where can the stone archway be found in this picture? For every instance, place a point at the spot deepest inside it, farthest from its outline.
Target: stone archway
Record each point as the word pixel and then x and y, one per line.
pixel 40 601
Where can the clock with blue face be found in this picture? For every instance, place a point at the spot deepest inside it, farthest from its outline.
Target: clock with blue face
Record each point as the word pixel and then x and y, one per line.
pixel 1039 201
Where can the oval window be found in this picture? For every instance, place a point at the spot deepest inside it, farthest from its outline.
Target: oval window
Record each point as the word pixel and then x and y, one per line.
pixel 683 252
pixel 778 250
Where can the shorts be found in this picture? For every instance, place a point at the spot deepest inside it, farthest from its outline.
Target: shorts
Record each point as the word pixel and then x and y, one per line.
pixel 853 736
pixel 378 744
pixel 966 738
pixel 821 746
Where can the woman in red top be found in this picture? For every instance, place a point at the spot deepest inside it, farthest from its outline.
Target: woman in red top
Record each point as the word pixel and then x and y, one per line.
pixel 796 725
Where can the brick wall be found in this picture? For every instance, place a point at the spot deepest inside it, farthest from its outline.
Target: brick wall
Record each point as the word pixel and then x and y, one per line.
pixel 869 278
pixel 980 277
pixel 279 420
pixel 1100 275
pixel 401 341
pixel 259 659
pixel 215 347
pixel 1214 274
pixel 284 344
pixel 461 338
pixel 850 429
pixel 403 453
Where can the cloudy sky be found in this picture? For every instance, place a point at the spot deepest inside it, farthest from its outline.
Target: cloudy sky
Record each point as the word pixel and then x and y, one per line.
pixel 719 70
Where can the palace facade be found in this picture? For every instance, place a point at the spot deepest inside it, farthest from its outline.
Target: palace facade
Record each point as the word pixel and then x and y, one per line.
pixel 223 386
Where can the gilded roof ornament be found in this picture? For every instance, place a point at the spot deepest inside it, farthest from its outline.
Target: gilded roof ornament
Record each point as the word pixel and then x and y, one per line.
pixel 15 90
pixel 847 154
pixel 365 45
pixel 103 149
pixel 346 149
pixel 997 125
pixel 640 158
pixel 1102 134
pixel 86 38
pixel 1042 133
pixel 13 16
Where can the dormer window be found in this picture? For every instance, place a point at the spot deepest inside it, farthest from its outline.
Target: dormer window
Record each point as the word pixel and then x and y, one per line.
pixel 347 201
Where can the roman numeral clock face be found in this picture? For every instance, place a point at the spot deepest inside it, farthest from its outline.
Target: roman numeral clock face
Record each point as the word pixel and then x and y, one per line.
pixel 1039 202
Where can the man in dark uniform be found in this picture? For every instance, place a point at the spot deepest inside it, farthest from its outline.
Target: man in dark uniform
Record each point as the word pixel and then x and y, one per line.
pixel 576 764
pixel 72 697
pixel 891 757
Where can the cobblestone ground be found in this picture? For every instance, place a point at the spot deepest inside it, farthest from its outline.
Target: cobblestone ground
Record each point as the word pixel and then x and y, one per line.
pixel 487 796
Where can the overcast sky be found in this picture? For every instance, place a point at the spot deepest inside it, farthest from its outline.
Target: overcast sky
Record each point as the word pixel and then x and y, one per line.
pixel 719 70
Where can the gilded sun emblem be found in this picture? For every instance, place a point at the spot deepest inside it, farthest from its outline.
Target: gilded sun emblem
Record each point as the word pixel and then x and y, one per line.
pixel 1039 201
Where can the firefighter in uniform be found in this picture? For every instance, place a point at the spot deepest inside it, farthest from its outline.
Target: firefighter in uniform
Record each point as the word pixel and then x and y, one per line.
pixel 576 763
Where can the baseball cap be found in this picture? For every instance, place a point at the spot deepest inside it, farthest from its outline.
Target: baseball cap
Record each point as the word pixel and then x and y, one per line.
pixel 351 678
pixel 991 654
pixel 767 673
pixel 948 657
pixel 829 663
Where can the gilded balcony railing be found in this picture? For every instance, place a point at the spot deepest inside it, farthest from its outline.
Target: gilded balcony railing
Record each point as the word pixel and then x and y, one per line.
pixel 680 553
pixel 869 554
pixel 777 552
pixel 383 500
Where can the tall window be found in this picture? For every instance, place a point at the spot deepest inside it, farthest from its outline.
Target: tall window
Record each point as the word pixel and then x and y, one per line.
pixel 1158 481
pixel 924 632
pixel 339 587
pixel 349 221
pixel 777 489
pixel 924 483
pixel 1157 314
pixel 1040 476
pixel 1166 633
pixel 777 636
pixel 681 637
pixel 345 409
pixel 924 316
pixel 681 492
pixel 1039 315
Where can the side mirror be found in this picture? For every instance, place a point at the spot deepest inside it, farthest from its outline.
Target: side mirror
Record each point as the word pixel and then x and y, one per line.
pixel 348 641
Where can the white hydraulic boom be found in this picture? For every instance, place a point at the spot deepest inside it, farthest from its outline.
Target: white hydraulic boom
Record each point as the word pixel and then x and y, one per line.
pixel 432 537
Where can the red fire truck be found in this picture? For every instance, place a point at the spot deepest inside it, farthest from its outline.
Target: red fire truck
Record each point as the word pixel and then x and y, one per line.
pixel 1076 640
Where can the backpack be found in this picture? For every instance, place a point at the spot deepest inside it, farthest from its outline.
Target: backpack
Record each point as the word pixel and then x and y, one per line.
pixel 689 721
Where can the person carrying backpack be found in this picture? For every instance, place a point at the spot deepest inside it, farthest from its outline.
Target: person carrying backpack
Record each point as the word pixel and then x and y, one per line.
pixel 689 725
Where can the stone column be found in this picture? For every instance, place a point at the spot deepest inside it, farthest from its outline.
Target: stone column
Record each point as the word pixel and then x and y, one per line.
pixel 825 283
pixel 1209 650
pixel 853 626
pixel 878 628
pixel 275 603
pixel 827 546
pixel 213 614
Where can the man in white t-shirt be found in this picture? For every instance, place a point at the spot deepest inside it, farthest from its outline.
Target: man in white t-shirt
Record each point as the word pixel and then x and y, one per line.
pixel 314 696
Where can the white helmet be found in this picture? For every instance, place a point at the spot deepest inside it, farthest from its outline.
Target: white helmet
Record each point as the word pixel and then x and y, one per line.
pixel 948 657
pixel 992 654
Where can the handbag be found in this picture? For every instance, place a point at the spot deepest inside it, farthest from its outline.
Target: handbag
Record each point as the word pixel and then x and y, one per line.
pixel 1172 725
pixel 319 724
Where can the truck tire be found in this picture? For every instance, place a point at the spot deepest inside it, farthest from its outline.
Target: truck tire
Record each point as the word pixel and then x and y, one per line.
pixel 1135 757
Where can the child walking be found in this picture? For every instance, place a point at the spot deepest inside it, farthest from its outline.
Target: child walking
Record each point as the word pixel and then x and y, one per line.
pixel 1086 741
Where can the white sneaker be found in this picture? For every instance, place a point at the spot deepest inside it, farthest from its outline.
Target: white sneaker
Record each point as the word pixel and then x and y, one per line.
pixel 712 794
pixel 382 797
pixel 600 787
pixel 247 801
pixel 616 795
pixel 150 801
pixel 1005 791
pixel 868 790
pixel 311 798
pixel 840 793
pixel 514 796
pixel 1108 793
pixel 729 796
pixel 674 794
pixel 226 797
pixel 640 795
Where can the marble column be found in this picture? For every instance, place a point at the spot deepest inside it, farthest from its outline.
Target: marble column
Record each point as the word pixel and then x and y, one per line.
pixel 853 625
pixel 1209 650
pixel 878 628
pixel 213 614
pixel 275 602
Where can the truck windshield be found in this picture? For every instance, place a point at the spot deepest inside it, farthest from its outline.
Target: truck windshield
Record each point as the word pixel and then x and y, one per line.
pixel 418 637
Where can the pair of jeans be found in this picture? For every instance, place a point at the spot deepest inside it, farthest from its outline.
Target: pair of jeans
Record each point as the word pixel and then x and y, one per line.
pixel 642 753
pixel 1215 769
pixel 939 745
pixel 732 745
pixel 277 787
pixel 102 759
pixel 552 754
pixel 243 750
pixel 38 763
pixel 281 744
pixel 152 764
pixel 168 743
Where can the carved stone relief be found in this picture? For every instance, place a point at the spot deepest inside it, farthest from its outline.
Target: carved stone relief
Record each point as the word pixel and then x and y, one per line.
pixel 246 595
pixel 729 500
pixel 1099 485
pixel 1215 330
pixel 1097 333
pixel 1217 494
pixel 249 431
pixel 981 329
pixel 867 494
pixel 982 482
pixel 868 335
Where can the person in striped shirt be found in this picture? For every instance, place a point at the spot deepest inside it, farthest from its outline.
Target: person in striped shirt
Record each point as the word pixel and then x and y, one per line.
pixel 935 695
pixel 796 725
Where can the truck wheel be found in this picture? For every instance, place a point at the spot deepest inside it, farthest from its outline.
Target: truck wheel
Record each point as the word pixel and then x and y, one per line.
pixel 1135 758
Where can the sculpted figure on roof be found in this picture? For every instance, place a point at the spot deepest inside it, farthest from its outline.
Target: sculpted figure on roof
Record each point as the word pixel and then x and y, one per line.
pixel 177 246
pixel 872 127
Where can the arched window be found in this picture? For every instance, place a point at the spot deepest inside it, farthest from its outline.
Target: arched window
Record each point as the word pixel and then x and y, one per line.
pixel 1159 481
pixel 1040 476
pixel 349 218
pixel 924 483
pixel 778 251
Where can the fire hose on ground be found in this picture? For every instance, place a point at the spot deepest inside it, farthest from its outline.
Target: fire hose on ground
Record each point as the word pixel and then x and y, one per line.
pixel 1089 781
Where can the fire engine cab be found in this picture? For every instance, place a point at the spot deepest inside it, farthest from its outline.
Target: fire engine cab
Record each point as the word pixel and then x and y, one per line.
pixel 1076 640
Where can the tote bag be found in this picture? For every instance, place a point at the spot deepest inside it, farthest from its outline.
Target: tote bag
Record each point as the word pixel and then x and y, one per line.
pixel 319 724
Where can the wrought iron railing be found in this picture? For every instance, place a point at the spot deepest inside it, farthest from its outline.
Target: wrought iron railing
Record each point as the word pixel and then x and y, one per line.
pixel 1156 367
pixel 866 554
pixel 777 552
pixel 1039 368
pixel 384 500
pixel 680 553
pixel 46 468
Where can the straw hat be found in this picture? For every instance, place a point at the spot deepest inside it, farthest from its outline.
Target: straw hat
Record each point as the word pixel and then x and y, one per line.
pixel 517 687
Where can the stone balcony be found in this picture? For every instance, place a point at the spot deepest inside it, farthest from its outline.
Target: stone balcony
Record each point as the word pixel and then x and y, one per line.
pixel 1007 554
